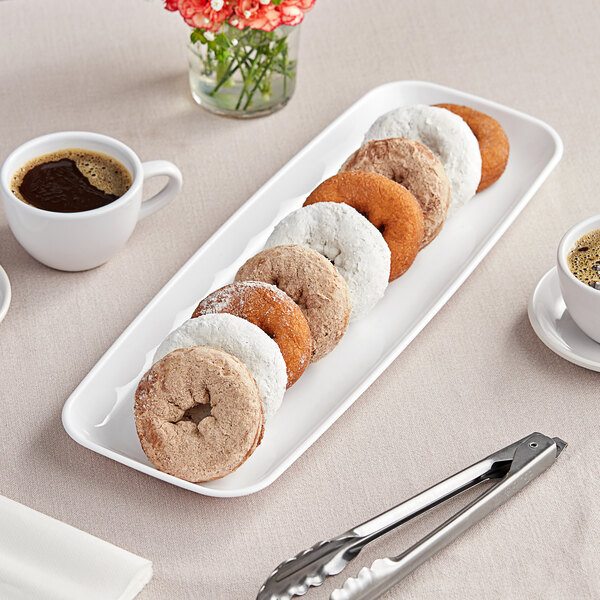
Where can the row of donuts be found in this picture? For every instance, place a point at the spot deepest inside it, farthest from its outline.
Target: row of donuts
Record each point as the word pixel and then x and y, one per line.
pixel 324 265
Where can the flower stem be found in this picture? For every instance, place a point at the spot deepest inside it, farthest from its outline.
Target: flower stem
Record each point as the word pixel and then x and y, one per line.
pixel 247 80
pixel 229 71
pixel 264 71
pixel 285 77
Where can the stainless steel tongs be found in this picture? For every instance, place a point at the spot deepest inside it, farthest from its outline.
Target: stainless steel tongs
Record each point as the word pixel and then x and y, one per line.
pixel 514 466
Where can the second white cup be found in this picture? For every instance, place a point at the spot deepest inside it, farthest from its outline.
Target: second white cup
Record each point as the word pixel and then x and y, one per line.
pixel 582 301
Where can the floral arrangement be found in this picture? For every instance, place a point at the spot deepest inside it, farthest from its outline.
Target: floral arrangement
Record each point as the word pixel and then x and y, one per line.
pixel 241 44
pixel 265 15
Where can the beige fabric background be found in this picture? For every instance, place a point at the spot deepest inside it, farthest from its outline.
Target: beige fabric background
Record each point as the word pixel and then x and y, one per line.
pixel 476 379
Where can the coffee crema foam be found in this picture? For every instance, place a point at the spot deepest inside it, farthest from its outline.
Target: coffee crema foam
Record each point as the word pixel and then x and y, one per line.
pixel 584 259
pixel 102 171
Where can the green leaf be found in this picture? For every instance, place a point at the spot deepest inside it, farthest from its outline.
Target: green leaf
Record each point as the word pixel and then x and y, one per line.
pixel 198 36
pixel 222 41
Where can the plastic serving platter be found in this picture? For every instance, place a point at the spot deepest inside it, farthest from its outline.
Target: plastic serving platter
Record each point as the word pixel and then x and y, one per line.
pixel 99 415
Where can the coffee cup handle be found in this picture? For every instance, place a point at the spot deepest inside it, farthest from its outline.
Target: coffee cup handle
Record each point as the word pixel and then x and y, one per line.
pixel 155 168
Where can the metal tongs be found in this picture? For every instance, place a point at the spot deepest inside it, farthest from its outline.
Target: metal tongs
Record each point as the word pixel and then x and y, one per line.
pixel 514 466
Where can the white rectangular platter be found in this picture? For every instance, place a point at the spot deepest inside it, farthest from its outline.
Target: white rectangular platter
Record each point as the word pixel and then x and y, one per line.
pixel 99 414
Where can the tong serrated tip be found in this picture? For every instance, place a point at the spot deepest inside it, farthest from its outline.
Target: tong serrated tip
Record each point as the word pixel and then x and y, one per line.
pixel 324 559
pixel 355 588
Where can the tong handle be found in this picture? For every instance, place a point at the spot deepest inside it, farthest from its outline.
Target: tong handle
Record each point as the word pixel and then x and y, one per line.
pixel 531 458
pixel 494 466
pixel 428 499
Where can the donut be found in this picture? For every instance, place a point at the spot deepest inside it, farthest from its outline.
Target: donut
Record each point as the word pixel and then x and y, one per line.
pixel 345 238
pixel 240 338
pixel 446 135
pixel 391 208
pixel 414 166
pixel 267 307
pixel 313 283
pixel 198 414
pixel 493 142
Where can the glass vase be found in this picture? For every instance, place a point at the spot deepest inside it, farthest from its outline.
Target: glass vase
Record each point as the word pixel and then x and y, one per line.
pixel 243 73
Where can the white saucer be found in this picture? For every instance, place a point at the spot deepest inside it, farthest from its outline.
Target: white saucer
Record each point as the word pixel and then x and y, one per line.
pixel 555 327
pixel 4 293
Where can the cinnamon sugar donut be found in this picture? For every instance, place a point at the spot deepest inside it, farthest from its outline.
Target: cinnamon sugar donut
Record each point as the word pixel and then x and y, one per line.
pixel 243 340
pixel 198 414
pixel 273 311
pixel 312 282
pixel 493 142
pixel 386 204
pixel 414 166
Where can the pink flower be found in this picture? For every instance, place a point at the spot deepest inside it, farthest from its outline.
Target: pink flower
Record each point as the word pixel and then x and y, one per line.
pixel 205 14
pixel 303 5
pixel 292 11
pixel 256 15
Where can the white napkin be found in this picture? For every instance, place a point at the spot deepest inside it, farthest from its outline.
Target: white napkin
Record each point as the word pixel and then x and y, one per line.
pixel 44 559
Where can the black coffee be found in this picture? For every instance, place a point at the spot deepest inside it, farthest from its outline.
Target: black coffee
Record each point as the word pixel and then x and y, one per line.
pixel 71 180
pixel 584 259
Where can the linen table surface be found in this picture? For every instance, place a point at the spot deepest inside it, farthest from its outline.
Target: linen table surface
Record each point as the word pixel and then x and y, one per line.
pixel 474 380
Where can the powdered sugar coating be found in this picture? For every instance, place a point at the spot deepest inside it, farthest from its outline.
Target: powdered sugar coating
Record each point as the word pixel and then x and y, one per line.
pixel 446 135
pixel 343 236
pixel 243 340
pixel 221 300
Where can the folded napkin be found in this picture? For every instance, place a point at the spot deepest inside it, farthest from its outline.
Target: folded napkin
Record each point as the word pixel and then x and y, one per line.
pixel 44 559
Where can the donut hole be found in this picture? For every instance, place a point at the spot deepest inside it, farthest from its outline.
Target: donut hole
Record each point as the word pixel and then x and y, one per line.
pixel 331 253
pixel 369 218
pixel 197 413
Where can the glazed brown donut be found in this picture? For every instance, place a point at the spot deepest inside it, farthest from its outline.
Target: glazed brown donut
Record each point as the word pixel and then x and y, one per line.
pixel 388 205
pixel 198 414
pixel 313 283
pixel 273 311
pixel 493 142
pixel 417 168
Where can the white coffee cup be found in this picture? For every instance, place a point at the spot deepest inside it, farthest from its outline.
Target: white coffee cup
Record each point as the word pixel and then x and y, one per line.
pixel 582 301
pixel 79 241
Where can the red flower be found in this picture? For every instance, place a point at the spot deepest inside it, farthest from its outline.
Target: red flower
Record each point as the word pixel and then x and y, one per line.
pixel 303 5
pixel 292 11
pixel 256 15
pixel 205 14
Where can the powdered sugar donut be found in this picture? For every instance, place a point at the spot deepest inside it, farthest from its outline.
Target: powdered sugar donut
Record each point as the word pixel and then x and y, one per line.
pixel 243 340
pixel 446 135
pixel 343 236
pixel 387 205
